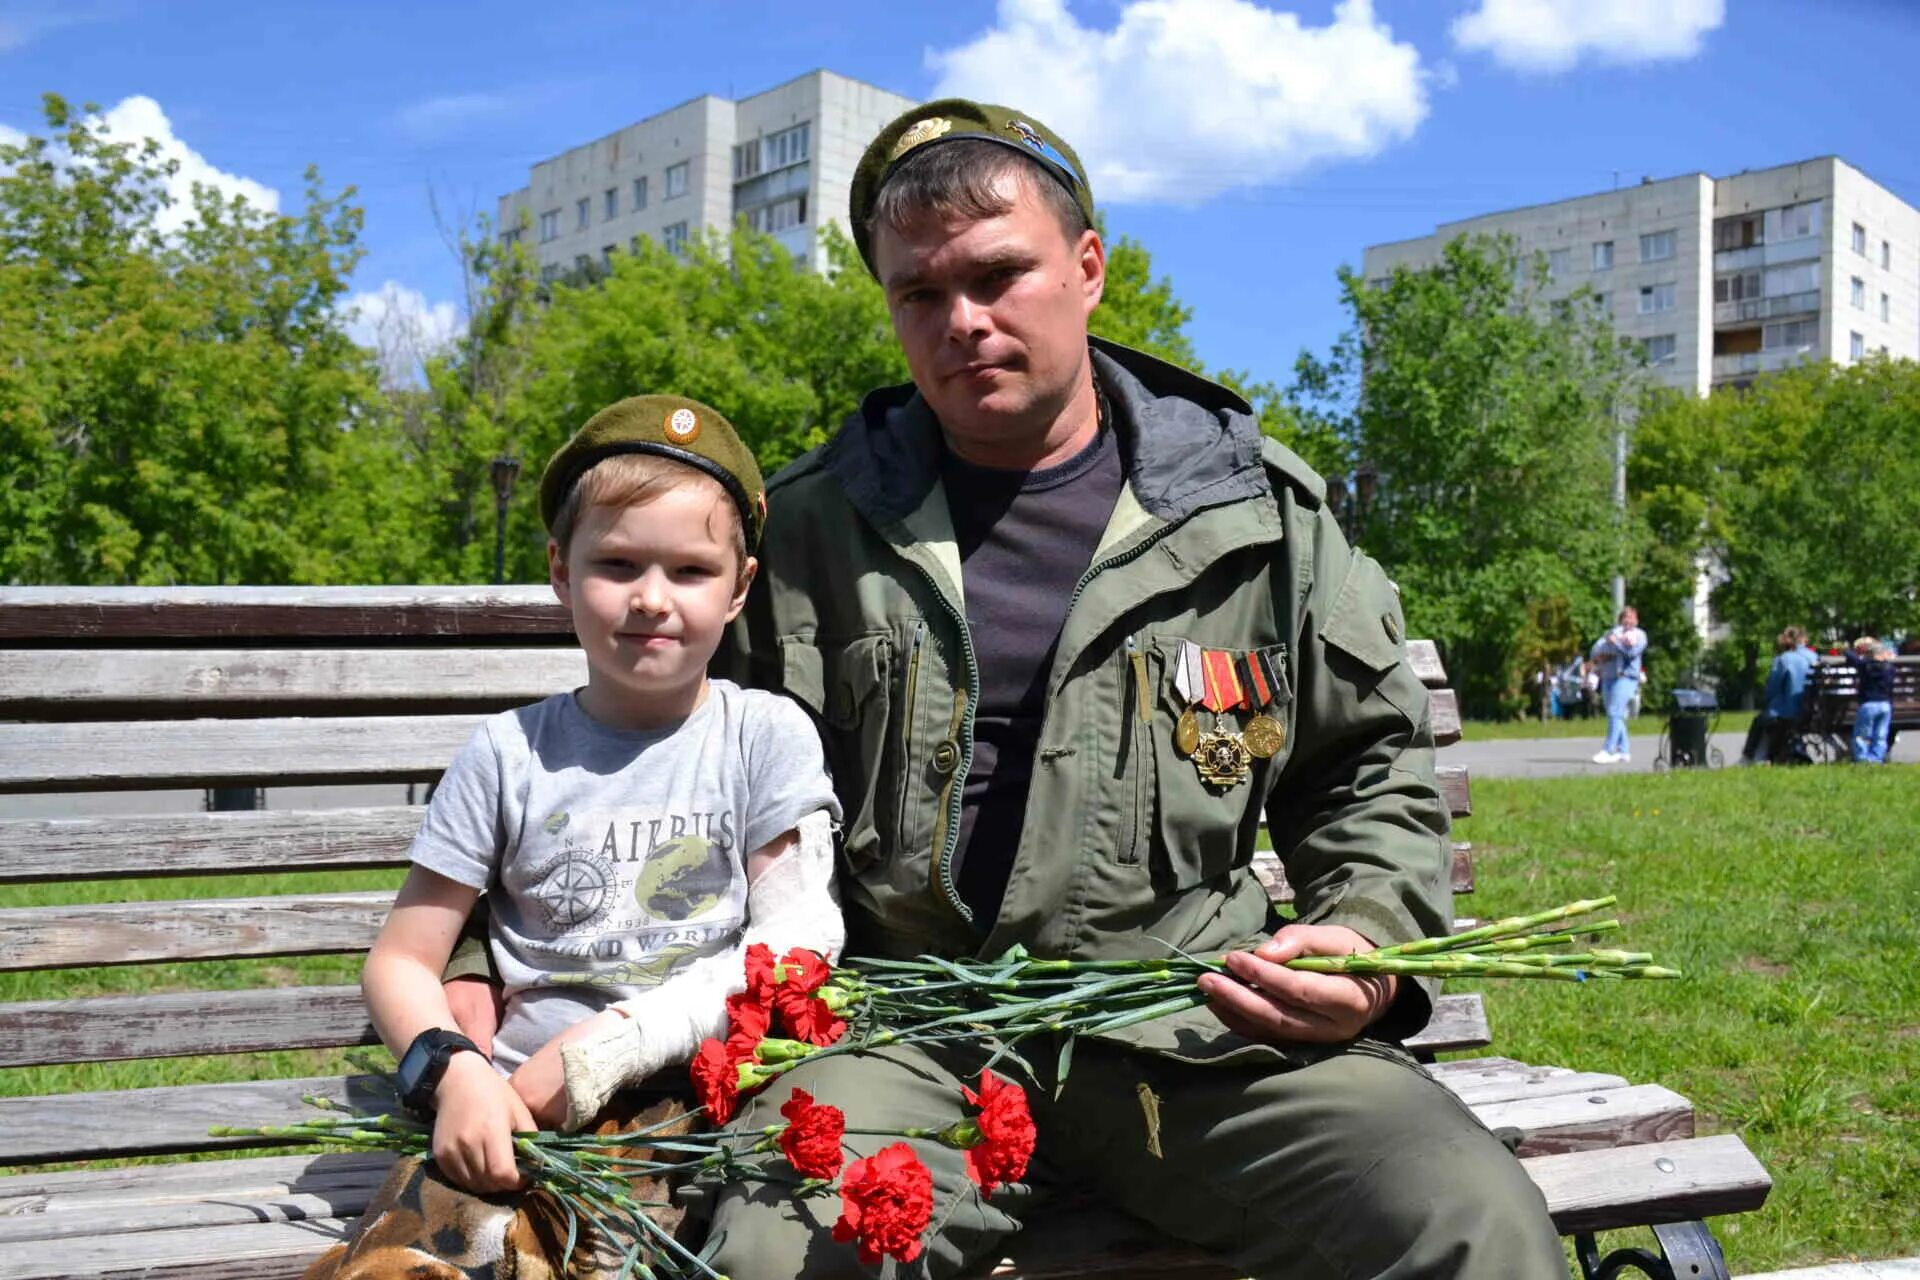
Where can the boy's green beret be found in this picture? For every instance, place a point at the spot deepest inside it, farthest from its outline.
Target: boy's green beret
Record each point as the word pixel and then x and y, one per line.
pixel 672 427
pixel 948 120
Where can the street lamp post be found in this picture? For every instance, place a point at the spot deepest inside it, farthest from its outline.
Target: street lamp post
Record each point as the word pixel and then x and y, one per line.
pixel 505 469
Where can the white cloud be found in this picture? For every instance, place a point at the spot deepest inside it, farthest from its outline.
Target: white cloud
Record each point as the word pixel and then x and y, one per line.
pixel 432 118
pixel 403 327
pixel 1184 99
pixel 140 117
pixel 1553 35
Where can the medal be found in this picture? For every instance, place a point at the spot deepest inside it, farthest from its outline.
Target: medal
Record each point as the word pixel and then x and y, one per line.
pixel 1222 760
pixel 1186 732
pixel 1264 735
pixel 1187 682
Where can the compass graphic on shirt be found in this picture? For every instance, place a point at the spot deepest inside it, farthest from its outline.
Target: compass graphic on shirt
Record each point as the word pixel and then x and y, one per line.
pixel 575 888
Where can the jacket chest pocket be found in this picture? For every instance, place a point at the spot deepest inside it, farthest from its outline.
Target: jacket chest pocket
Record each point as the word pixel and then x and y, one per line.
pixel 1212 771
pixel 844 683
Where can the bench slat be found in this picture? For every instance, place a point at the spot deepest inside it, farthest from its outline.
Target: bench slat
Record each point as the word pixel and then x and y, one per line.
pixel 1455 789
pixel 1604 1118
pixel 42 849
pixel 1266 866
pixel 176 1024
pixel 62 684
pixel 199 929
pixel 252 1251
pixel 129 615
pixel 1424 657
pixel 286 752
pixel 1531 1082
pixel 1446 717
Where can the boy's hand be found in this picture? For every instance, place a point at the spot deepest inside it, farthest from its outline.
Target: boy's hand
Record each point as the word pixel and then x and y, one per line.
pixel 1272 1003
pixel 541 1081
pixel 476 1116
pixel 476 1005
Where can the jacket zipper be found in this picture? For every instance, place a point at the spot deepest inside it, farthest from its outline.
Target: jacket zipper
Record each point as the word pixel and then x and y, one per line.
pixel 943 856
pixel 907 780
pixel 1139 742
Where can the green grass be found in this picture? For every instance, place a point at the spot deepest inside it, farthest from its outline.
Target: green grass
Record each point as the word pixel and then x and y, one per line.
pixel 1595 727
pixel 1789 897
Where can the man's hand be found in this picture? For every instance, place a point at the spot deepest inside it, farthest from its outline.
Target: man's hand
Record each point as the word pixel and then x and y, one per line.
pixel 477 1005
pixel 476 1115
pixel 1271 1003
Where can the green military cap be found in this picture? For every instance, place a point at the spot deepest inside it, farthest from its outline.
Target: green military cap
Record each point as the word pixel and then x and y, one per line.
pixel 948 120
pixel 671 427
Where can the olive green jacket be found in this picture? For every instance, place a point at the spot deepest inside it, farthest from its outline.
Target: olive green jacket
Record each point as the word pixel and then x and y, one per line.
pixel 1221 538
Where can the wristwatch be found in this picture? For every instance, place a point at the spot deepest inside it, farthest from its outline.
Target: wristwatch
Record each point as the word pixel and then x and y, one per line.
pixel 425 1061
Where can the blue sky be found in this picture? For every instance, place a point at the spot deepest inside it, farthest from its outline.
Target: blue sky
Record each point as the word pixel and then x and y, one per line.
pixel 1252 148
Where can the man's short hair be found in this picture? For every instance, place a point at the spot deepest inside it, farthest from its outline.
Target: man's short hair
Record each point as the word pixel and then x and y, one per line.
pixel 963 179
pixel 635 479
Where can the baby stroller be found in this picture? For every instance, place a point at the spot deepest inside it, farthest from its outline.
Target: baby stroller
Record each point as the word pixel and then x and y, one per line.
pixel 1685 739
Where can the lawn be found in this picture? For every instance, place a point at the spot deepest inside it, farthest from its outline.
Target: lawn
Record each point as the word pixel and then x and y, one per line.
pixel 1595 727
pixel 1789 897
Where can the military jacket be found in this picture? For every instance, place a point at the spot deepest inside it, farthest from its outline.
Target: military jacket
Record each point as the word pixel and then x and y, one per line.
pixel 1220 538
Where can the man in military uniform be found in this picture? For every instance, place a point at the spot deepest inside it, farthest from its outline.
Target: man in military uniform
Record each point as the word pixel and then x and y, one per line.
pixel 1072 629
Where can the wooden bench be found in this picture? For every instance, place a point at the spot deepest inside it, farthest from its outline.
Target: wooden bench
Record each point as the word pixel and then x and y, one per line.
pixel 1824 733
pixel 190 688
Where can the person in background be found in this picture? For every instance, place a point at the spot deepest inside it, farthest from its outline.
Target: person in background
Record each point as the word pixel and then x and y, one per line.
pixel 1872 663
pixel 1617 660
pixel 1785 692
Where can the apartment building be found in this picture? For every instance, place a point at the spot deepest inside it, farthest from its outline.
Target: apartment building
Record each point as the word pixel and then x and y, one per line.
pixel 781 159
pixel 1721 279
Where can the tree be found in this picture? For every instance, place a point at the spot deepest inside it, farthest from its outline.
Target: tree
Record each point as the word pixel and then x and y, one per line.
pixel 180 407
pixel 1488 414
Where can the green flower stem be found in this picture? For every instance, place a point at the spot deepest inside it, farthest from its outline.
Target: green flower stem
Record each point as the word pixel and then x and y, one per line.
pixel 1500 928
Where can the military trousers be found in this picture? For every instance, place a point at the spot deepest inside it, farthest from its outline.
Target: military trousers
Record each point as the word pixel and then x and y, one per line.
pixel 1357 1166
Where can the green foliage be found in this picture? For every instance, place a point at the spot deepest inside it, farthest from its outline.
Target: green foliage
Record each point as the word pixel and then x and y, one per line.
pixel 1489 417
pixel 1805 488
pixel 180 406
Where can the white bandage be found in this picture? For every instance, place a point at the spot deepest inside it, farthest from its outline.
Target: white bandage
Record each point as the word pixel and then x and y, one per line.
pixel 790 904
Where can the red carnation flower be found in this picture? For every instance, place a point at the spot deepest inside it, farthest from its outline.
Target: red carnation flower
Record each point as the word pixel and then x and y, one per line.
pixel 886 1202
pixel 813 1135
pixel 749 1019
pixel 1007 1135
pixel 760 970
pixel 716 1080
pixel 806 970
pixel 805 1015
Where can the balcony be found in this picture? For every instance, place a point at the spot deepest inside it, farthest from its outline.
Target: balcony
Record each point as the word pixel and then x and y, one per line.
pixel 1798 249
pixel 1749 363
pixel 1750 309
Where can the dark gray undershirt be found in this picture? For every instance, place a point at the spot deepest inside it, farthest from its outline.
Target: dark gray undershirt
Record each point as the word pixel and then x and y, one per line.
pixel 1025 539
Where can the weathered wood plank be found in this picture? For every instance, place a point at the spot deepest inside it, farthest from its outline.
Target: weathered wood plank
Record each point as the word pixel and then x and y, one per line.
pixel 1446 717
pixel 67 684
pixel 286 752
pixel 1273 877
pixel 1459 1022
pixel 254 1251
pixel 197 843
pixel 1533 1082
pixel 101 1190
pixel 200 929
pixel 179 1023
pixel 129 615
pixel 1455 789
pixel 1592 1118
pixel 131 1122
pixel 1424 657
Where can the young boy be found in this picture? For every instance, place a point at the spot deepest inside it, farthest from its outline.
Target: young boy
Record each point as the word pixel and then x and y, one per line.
pixel 633 835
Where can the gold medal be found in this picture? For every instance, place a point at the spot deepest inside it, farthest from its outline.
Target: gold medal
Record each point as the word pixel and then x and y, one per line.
pixel 1264 736
pixel 1222 760
pixel 1186 732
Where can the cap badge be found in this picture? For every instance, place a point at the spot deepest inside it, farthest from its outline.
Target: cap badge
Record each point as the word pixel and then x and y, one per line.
pixel 920 132
pixel 682 426
pixel 1028 134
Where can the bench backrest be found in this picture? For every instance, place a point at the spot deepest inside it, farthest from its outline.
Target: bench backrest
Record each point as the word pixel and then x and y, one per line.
pixel 192 688
pixel 1833 693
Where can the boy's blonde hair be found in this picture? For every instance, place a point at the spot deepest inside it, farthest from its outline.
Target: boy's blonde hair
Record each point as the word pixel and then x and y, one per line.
pixel 635 479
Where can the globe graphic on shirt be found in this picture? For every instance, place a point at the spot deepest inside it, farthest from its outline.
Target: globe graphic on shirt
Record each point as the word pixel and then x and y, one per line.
pixel 683 879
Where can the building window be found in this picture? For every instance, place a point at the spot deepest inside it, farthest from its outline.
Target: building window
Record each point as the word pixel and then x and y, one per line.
pixel 1657 247
pixel 1856 346
pixel 549 225
pixel 582 209
pixel 677 177
pixel 1602 255
pixel 612 209
pixel 1886 309
pixel 1559 263
pixel 1656 297
pixel 1790 335
pixel 1886 255
pixel 1604 302
pixel 1662 348
pixel 1859 294
pixel 1738 233
pixel 1792 222
pixel 510 237
pixel 581 262
pixel 674 238
pixel 639 194
pixel 550 273
pixel 746 160
pixel 1795 277
pixel 1859 239
pixel 779 215
pixel 775 151
pixel 606 256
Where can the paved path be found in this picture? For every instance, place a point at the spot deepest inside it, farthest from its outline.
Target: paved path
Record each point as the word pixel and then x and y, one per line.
pixel 1892 1269
pixel 1560 757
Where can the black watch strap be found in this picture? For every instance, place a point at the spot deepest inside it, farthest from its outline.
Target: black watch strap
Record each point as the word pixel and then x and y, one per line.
pixel 425 1062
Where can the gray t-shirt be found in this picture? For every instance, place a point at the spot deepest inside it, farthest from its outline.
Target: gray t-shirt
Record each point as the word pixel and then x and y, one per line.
pixel 612 857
